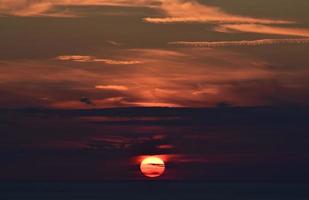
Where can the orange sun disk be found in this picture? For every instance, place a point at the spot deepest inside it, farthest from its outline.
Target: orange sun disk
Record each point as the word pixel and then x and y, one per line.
pixel 152 166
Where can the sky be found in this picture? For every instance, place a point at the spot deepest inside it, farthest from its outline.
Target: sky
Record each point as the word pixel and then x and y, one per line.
pixel 217 89
pixel 220 144
pixel 57 53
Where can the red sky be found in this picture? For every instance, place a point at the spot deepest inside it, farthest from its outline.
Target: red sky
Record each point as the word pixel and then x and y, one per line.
pixel 153 53
pixel 246 61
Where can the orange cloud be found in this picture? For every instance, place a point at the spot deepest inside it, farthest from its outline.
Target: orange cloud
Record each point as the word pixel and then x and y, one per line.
pixel 191 11
pixel 182 77
pixel 152 104
pixel 80 58
pixel 76 58
pixel 211 91
pixel 31 8
pixel 118 62
pixel 241 43
pixel 175 10
pixel 263 29
pixel 165 146
pixel 43 7
pixel 112 87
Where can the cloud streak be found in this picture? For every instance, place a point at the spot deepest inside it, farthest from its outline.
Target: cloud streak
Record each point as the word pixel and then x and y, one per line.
pixel 191 11
pixel 263 29
pixel 112 87
pixel 43 7
pixel 261 42
pixel 169 78
pixel 175 11
pixel 81 58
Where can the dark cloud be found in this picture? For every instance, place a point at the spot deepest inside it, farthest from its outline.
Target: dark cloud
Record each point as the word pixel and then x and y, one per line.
pixel 87 101
pixel 255 141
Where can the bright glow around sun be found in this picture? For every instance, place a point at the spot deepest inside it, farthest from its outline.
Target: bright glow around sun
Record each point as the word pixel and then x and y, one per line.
pixel 152 166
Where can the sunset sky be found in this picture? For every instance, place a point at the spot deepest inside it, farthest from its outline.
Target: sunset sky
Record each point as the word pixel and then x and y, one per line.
pixel 246 61
pixel 107 53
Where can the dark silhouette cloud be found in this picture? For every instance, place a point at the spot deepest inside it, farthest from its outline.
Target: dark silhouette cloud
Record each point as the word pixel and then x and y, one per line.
pixel 228 143
pixel 87 101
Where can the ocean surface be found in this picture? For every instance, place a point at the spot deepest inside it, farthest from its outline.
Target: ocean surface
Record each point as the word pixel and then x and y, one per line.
pixel 153 190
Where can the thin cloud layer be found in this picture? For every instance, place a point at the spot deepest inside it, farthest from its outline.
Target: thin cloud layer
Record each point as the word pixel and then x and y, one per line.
pixel 177 11
pixel 80 58
pixel 263 29
pixel 186 77
pixel 193 12
pixel 154 74
pixel 174 11
pixel 112 87
pixel 261 42
pixel 43 7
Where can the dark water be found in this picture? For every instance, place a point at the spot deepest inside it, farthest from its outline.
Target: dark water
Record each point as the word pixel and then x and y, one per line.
pixel 153 190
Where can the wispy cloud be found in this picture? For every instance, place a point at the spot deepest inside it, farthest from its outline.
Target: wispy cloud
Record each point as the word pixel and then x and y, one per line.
pixel 152 104
pixel 44 7
pixel 211 91
pixel 31 8
pixel 118 62
pixel 76 58
pixel 112 87
pixel 263 29
pixel 241 43
pixel 81 58
pixel 23 7
pixel 114 43
pixel 168 78
pixel 177 11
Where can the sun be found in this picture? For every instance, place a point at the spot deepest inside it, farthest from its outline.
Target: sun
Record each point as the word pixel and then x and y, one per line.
pixel 152 166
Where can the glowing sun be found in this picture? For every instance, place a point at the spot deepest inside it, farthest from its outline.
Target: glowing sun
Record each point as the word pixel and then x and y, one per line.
pixel 152 166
